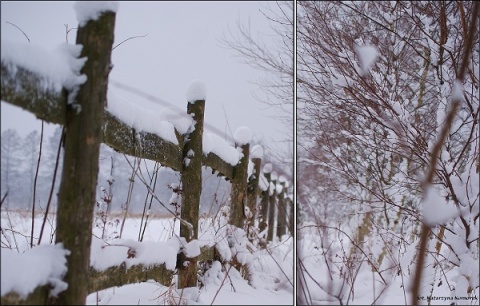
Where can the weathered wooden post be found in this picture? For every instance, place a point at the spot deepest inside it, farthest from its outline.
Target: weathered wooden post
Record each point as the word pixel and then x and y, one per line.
pixel 83 124
pixel 256 154
pixel 265 198
pixel 191 183
pixel 282 213
pixel 239 189
pixel 291 218
pixel 252 191
pixel 271 205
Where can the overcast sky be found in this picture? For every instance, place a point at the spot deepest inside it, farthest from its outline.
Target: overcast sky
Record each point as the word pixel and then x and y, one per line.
pixel 182 45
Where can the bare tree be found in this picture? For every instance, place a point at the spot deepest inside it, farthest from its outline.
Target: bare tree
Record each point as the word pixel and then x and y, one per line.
pixel 274 55
pixel 366 133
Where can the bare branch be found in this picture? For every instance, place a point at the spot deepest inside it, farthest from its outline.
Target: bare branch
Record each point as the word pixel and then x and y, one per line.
pixel 19 29
pixel 129 39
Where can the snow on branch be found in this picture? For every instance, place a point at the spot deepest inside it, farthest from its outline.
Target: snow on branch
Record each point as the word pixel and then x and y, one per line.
pixel 367 55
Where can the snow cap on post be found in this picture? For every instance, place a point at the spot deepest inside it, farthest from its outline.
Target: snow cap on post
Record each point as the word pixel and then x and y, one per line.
pixel 267 168
pixel 196 92
pixel 91 10
pixel 256 151
pixel 243 135
pixel 278 188
pixel 283 180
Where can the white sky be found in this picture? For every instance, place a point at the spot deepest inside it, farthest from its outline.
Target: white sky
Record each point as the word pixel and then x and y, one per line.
pixel 182 45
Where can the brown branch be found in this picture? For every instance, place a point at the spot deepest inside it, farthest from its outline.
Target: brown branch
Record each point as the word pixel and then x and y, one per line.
pixel 35 185
pixel 52 187
pixel 3 198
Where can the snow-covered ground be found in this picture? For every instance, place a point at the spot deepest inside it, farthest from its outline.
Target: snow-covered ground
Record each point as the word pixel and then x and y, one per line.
pixel 332 277
pixel 271 282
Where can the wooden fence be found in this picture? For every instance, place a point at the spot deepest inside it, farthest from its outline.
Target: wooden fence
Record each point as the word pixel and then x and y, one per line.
pixel 94 124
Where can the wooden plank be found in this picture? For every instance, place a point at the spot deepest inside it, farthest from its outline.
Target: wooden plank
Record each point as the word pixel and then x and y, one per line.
pixel 215 162
pixel 119 276
pixel 27 90
pixel 122 138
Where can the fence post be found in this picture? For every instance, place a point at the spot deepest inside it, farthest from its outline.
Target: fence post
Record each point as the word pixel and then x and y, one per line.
pixel 192 188
pixel 291 217
pixel 252 192
pixel 271 205
pixel 281 215
pixel 83 125
pixel 239 189
pixel 265 196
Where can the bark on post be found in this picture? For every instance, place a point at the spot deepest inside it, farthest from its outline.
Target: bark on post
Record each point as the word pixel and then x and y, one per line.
pixel 271 210
pixel 252 190
pixel 263 214
pixel 282 213
pixel 291 217
pixel 192 189
pixel 84 120
pixel 239 189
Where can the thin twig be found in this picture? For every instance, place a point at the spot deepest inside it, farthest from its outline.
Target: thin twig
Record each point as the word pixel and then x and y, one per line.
pixel 53 185
pixel 19 29
pixel 35 185
pixel 11 229
pixel 151 201
pixel 129 39
pixel 221 285
pixel 3 198
pixel 136 166
pixel 142 179
pixel 67 31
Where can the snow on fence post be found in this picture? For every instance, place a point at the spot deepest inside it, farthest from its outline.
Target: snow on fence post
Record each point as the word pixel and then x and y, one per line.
pixel 242 136
pixel 83 124
pixel 271 205
pixel 282 211
pixel 191 183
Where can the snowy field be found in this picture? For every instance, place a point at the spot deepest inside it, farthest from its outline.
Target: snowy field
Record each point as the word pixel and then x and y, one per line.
pixel 270 284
